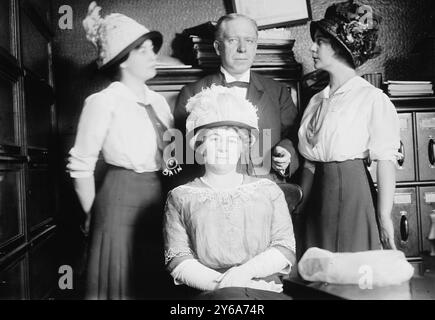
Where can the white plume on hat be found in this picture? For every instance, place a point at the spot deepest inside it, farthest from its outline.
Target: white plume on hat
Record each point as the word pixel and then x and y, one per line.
pixel 112 34
pixel 219 106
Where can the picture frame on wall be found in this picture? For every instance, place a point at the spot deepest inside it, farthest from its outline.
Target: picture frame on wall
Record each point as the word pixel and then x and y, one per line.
pixel 274 13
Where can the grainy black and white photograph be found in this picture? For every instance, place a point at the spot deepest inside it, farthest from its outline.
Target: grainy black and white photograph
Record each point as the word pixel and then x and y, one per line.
pixel 215 150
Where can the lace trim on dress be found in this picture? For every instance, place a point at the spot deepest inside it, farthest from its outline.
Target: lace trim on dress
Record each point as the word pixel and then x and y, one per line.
pixel 229 199
pixel 243 188
pixel 175 253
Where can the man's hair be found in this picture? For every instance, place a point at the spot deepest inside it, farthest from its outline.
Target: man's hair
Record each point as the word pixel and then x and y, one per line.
pixel 229 17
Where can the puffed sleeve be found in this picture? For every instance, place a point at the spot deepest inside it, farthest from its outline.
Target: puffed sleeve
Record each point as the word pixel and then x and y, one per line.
pixel 175 235
pixel 92 129
pixel 282 228
pixel 384 129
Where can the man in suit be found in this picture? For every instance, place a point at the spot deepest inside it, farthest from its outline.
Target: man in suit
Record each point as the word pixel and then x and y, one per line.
pixel 236 44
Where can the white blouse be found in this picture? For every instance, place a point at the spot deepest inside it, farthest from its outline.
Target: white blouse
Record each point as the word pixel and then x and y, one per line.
pixel 356 121
pixel 114 122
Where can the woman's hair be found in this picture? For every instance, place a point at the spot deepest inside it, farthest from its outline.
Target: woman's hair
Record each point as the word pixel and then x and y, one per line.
pixel 340 52
pixel 114 71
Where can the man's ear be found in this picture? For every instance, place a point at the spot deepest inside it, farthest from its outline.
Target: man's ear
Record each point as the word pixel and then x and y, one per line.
pixel 216 47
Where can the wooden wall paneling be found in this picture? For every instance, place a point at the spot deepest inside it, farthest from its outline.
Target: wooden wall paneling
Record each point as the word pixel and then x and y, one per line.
pixel 39 196
pixel 39 97
pixel 5 25
pixel 34 49
pixel 12 281
pixel 11 178
pixel 43 273
pixel 7 114
pixel 27 119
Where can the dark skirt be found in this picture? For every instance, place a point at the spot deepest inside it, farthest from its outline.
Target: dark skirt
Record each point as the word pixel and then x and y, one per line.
pixel 126 253
pixel 341 215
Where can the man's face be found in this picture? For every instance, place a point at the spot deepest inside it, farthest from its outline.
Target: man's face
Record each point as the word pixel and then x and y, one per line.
pixel 237 46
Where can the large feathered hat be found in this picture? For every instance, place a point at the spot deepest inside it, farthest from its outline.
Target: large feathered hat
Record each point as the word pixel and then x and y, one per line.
pixel 354 26
pixel 219 106
pixel 116 35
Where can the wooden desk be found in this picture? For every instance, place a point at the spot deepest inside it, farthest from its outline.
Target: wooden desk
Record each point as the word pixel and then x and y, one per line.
pixel 420 287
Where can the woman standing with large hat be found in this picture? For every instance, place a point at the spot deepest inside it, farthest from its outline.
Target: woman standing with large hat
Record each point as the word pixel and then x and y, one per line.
pixel 348 121
pixel 125 121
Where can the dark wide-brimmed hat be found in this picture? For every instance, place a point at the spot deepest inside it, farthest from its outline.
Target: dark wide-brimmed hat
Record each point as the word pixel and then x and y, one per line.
pixel 116 35
pixel 354 26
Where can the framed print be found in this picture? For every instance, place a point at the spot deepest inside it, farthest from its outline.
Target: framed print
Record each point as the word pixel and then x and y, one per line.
pixel 274 13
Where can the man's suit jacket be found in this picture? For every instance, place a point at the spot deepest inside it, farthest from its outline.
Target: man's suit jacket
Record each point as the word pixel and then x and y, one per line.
pixel 276 110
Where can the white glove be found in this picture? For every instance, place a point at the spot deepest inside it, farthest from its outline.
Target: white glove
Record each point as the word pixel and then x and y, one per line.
pixel 267 263
pixel 196 275
pixel 235 277
pixel 238 277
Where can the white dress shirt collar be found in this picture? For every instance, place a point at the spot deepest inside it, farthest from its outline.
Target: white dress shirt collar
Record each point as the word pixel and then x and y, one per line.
pixel 246 77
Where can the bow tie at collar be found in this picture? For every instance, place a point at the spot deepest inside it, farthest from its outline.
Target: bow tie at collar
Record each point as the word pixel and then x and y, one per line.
pixel 240 84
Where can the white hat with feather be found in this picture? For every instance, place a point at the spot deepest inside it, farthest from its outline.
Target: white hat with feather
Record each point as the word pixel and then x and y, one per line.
pixel 219 106
pixel 116 35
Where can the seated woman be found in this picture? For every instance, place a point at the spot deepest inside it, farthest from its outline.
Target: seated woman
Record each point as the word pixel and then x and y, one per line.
pixel 226 234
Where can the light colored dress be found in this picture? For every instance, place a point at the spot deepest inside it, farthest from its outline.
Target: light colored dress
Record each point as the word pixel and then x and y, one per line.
pixel 226 228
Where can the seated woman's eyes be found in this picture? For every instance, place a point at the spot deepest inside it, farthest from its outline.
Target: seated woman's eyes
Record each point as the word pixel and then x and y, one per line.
pixel 213 138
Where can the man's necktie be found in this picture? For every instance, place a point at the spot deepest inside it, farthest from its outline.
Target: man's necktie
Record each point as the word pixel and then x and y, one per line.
pixel 239 84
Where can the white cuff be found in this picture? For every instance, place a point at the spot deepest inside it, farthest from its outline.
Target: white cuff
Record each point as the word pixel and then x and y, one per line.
pixel 79 166
pixel 81 174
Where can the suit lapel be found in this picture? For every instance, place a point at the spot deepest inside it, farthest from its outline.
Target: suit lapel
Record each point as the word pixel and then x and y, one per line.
pixel 255 90
pixel 217 79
